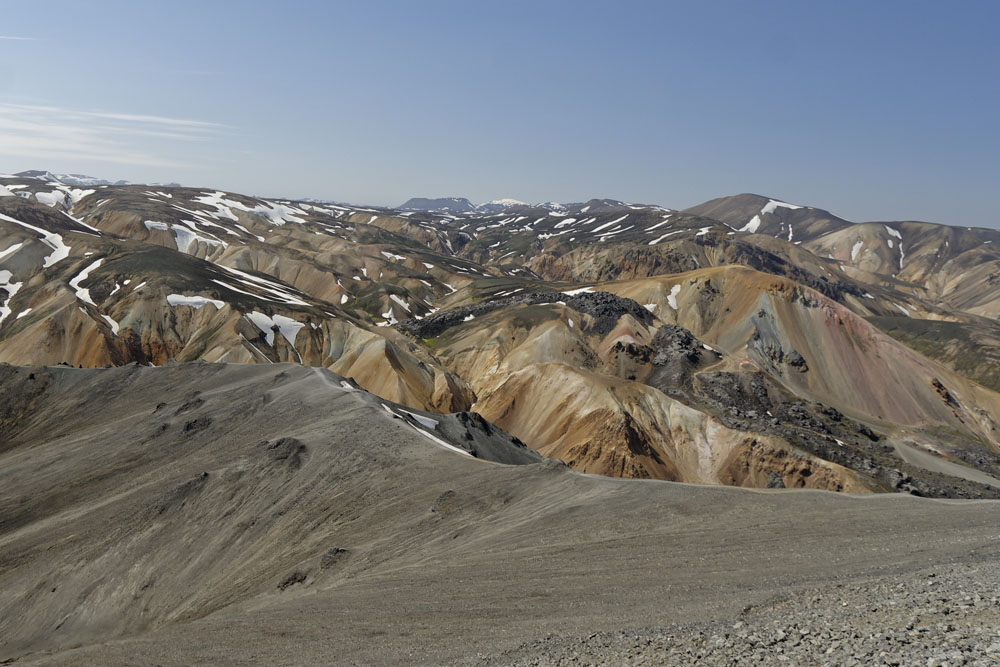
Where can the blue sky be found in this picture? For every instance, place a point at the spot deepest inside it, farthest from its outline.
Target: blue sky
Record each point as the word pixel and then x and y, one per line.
pixel 874 110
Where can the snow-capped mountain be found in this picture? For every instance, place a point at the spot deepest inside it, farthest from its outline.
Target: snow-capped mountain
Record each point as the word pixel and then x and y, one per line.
pixel 68 179
pixel 500 205
pixel 80 180
pixel 439 205
pixel 460 205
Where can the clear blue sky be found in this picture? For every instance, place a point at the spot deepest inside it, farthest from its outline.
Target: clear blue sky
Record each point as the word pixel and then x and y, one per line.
pixel 874 110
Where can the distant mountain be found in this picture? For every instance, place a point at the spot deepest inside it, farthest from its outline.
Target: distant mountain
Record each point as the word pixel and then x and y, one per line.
pixel 500 205
pixel 68 179
pixel 80 180
pixel 756 214
pixel 455 205
pixel 461 205
pixel 553 206
pixel 439 205
pixel 598 206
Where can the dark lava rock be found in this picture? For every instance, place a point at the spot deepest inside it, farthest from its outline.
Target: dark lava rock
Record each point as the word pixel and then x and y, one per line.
pixel 195 425
pixel 672 341
pixel 292 579
pixel 287 450
pixel 332 557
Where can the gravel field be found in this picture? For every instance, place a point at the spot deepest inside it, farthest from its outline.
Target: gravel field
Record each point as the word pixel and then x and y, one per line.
pixel 938 617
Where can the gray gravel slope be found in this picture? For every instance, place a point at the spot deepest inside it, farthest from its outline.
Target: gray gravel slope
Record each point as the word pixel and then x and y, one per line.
pixel 227 543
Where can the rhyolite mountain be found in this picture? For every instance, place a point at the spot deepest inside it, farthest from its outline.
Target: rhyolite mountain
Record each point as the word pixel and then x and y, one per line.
pixel 745 341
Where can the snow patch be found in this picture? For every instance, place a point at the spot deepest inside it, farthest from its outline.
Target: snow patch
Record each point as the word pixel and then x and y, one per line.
pixel 275 289
pixel 12 249
pixel 11 288
pixel 286 326
pixel 659 224
pixel 401 302
pixel 608 224
pixel 60 250
pixel 427 435
pixel 76 194
pixel 113 324
pixel 193 301
pixel 424 421
pixel 672 297
pixel 773 204
pixel 184 237
pixel 276 214
pixel 82 293
pixel 655 241
pixel 751 226
pixel 52 199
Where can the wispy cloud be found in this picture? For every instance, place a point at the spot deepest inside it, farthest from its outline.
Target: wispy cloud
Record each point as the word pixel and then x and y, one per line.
pixel 122 138
pixel 131 118
pixel 17 39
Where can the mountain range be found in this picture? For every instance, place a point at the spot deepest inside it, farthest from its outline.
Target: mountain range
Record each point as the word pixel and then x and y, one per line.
pixel 75 179
pixel 458 205
pixel 745 341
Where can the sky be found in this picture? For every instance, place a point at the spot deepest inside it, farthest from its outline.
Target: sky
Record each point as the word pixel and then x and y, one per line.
pixel 874 110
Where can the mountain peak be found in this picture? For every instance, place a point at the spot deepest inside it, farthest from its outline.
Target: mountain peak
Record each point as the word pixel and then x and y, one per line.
pixel 505 202
pixel 438 204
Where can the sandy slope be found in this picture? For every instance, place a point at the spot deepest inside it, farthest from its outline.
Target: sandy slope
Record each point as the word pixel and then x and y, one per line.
pixel 215 542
